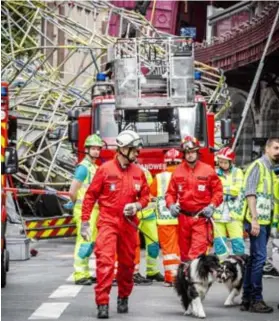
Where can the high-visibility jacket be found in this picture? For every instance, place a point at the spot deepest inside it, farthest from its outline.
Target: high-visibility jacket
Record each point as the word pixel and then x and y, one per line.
pixel 232 183
pixel 276 204
pixel 91 170
pixel 147 213
pixel 163 214
pixel 264 195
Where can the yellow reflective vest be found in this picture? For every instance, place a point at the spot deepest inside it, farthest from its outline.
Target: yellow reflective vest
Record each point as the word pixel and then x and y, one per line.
pixel 264 195
pixel 276 204
pixel 147 213
pixel 91 170
pixel 163 214
pixel 232 183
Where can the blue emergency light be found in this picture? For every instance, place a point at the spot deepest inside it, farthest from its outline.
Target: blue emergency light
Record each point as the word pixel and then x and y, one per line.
pixel 189 32
pixel 198 75
pixel 101 76
pixel 4 91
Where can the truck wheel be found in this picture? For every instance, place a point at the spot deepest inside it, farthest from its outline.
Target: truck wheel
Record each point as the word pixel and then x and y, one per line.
pixel 3 272
pixel 7 261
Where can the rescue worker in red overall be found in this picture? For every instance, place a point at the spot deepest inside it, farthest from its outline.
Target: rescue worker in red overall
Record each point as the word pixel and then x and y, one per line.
pixel 194 188
pixel 121 190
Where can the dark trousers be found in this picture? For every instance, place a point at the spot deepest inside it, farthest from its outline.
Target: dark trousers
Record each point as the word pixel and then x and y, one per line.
pixel 252 285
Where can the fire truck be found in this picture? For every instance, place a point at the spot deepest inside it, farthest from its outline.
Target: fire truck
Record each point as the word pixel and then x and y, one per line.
pixel 9 165
pixel 152 87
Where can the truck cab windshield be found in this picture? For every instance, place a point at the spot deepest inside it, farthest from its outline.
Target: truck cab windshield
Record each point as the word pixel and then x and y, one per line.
pixel 158 128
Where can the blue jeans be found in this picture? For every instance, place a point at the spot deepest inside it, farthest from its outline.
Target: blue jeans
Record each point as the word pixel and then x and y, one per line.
pixel 252 285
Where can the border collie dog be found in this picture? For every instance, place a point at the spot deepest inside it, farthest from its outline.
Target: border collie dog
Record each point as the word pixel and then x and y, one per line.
pixel 231 274
pixel 193 280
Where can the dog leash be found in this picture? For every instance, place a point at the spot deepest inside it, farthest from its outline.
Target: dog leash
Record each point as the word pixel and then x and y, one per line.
pixel 213 223
pixel 215 226
pixel 138 229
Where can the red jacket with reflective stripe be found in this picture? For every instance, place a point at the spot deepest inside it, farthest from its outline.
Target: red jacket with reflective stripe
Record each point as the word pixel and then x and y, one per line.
pixel 114 187
pixel 194 188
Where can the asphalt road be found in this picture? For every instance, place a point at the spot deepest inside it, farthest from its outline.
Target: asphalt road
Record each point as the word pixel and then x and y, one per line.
pixel 42 289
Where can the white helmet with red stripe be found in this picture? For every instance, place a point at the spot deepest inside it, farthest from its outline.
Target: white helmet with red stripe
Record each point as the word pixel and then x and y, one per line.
pixel 226 153
pixel 173 156
pixel 190 143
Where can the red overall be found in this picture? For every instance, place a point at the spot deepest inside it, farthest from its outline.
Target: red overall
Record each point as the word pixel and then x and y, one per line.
pixel 114 187
pixel 194 189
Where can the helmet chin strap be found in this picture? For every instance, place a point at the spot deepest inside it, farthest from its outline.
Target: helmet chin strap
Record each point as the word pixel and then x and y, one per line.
pixel 228 168
pixel 92 157
pixel 127 156
pixel 194 162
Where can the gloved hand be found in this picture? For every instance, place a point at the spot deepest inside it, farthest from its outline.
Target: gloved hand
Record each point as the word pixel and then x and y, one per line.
pixel 131 209
pixel 274 232
pixel 85 250
pixel 85 231
pixel 208 211
pixel 175 209
pixel 228 197
pixel 69 205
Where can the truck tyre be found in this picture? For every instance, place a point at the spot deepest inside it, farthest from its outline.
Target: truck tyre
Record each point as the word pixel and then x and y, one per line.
pixel 48 205
pixel 3 270
pixel 7 263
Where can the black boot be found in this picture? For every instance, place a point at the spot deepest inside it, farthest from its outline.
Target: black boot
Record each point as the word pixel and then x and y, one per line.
pixel 122 305
pixel 103 311
pixel 244 305
pixel 141 280
pixel 84 281
pixel 156 277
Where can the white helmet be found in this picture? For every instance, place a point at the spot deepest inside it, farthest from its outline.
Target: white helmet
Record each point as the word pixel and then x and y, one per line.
pixel 128 138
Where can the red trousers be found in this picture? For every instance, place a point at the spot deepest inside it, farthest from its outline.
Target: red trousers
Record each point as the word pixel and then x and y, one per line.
pixel 168 239
pixel 120 238
pixel 195 236
pixel 136 261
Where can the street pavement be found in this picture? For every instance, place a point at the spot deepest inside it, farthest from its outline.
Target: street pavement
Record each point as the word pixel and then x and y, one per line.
pixel 42 289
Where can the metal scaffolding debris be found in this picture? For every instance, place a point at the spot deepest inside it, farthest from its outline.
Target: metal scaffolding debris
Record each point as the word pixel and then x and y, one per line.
pixel 56 73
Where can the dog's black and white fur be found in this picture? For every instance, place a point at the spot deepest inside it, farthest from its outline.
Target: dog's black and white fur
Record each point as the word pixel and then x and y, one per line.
pixel 193 280
pixel 231 274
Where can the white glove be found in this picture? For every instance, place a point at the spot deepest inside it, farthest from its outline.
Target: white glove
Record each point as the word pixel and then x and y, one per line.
pixel 131 209
pixel 273 232
pixel 85 231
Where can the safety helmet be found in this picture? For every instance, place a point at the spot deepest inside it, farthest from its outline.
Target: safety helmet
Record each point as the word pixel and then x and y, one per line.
pixel 226 153
pixel 93 140
pixel 129 138
pixel 190 143
pixel 173 156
